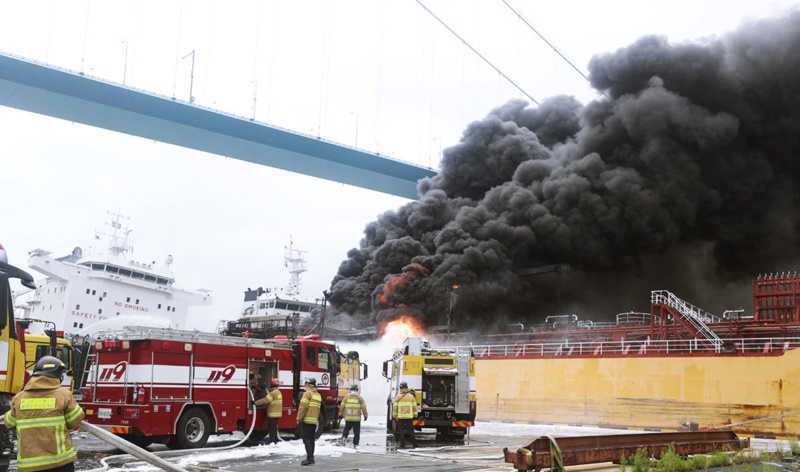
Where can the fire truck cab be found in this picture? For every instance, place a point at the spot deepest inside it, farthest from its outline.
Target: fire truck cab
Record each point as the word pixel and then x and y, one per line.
pixel 443 381
pixel 155 385
pixel 12 351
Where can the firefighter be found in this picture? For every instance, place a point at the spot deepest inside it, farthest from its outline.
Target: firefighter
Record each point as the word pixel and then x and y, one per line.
pixel 308 417
pixel 404 410
pixel 274 402
pixel 43 414
pixel 352 407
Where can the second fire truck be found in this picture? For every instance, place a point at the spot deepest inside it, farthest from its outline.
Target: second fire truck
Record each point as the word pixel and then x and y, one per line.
pixel 154 385
pixel 443 382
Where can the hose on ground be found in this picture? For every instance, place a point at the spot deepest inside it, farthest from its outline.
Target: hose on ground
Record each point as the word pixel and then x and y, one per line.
pixel 154 458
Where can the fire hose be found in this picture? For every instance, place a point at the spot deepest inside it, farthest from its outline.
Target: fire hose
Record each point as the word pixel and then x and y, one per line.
pixel 150 457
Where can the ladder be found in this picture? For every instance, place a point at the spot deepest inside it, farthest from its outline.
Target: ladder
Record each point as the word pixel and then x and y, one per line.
pixel 689 313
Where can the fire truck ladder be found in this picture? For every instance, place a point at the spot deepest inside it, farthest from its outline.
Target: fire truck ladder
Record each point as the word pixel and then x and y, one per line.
pixel 690 314
pixel 145 332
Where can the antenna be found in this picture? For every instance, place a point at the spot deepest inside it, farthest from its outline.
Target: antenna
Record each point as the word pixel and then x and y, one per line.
pixel 295 260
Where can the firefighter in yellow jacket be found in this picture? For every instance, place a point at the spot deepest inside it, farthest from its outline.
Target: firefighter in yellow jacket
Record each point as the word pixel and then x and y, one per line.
pixel 351 409
pixel 274 402
pixel 43 414
pixel 308 417
pixel 404 410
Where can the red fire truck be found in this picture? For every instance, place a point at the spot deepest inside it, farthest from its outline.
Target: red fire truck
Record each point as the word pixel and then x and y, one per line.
pixel 154 385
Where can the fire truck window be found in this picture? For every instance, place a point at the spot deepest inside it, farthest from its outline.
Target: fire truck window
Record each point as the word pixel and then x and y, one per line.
pixel 310 355
pixel 323 355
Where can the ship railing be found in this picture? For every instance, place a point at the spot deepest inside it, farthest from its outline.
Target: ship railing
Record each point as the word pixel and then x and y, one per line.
pixel 692 314
pixel 624 348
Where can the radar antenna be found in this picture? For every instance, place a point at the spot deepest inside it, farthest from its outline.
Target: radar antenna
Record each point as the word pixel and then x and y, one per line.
pixel 295 260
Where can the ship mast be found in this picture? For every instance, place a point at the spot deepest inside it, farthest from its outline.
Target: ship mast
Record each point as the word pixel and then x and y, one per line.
pixel 295 260
pixel 119 241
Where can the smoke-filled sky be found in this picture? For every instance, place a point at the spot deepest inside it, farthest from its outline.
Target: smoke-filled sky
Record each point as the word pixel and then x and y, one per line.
pixel 683 176
pixel 385 76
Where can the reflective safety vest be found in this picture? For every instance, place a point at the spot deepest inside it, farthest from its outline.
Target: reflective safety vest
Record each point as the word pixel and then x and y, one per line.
pixel 352 407
pixel 405 406
pixel 275 408
pixel 274 402
pixel 308 412
pixel 43 415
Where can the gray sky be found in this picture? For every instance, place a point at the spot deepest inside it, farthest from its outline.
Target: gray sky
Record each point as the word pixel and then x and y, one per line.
pixel 382 75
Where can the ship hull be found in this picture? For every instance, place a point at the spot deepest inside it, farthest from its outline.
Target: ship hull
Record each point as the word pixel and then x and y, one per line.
pixel 757 395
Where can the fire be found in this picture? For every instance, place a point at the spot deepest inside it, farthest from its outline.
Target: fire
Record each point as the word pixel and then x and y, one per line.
pixel 401 328
pixel 391 285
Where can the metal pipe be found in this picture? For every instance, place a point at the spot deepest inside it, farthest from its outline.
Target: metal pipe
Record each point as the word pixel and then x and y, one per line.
pixel 131 449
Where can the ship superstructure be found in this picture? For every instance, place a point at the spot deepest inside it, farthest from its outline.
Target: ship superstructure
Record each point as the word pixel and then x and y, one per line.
pixel 267 312
pixel 104 288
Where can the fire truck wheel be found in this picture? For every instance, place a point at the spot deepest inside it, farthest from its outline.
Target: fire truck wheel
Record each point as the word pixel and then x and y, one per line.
pixel 141 441
pixel 321 423
pixel 320 427
pixel 193 429
pixel 258 435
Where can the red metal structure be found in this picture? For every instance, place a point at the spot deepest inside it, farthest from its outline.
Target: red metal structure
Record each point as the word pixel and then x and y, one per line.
pixel 557 453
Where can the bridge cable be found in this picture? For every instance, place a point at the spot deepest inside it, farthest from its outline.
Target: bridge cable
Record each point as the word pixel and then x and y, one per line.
pixel 479 54
pixel 552 46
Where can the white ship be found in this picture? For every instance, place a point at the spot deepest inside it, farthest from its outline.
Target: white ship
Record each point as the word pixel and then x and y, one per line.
pixel 271 303
pixel 83 294
pixel 270 311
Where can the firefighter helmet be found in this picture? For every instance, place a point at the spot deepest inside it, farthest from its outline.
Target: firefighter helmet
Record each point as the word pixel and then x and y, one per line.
pixel 50 366
pixel 354 388
pixel 275 382
pixel 403 384
pixel 311 381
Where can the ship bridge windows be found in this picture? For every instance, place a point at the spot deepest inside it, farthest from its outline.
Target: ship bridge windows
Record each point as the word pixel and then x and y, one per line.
pixel 112 269
pixel 137 276
pixel 292 306
pixel 281 305
pixel 125 272
pixel 98 266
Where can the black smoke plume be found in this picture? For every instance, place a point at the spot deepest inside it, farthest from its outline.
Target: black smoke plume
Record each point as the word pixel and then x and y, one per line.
pixel 686 178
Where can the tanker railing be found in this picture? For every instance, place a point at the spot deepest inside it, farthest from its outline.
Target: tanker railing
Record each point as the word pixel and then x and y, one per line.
pixel 624 348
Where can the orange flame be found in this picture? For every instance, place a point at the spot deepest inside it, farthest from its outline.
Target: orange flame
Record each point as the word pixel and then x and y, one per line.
pixel 401 328
pixel 389 287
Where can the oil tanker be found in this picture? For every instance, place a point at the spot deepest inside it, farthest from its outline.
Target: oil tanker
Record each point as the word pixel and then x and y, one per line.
pixel 674 368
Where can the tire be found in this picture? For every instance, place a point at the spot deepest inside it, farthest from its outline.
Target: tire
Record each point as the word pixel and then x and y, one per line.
pixel 139 441
pixel 298 432
pixel 258 435
pixel 194 428
pixel 320 423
